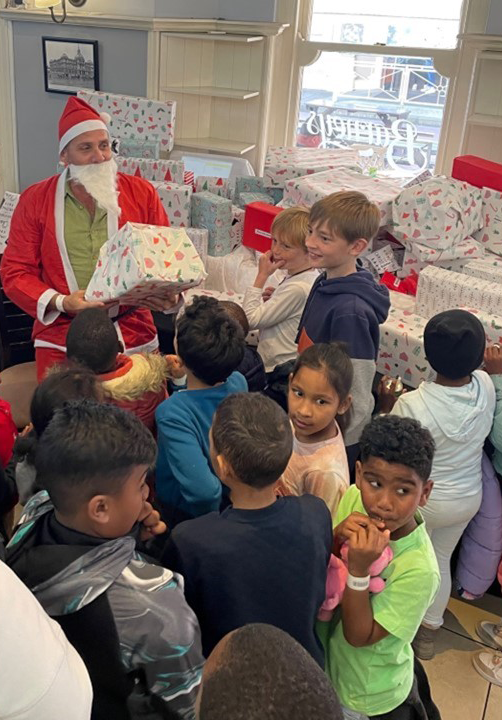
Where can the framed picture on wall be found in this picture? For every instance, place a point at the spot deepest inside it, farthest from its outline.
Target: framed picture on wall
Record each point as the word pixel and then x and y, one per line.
pixel 70 65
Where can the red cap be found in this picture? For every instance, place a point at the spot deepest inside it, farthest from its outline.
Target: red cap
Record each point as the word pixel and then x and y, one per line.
pixel 79 117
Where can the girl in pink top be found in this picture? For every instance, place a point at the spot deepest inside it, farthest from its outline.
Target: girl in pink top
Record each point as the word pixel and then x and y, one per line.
pixel 319 396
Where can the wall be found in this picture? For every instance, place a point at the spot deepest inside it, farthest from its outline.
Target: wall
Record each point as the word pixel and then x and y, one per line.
pixel 123 63
pixel 494 23
pixel 245 10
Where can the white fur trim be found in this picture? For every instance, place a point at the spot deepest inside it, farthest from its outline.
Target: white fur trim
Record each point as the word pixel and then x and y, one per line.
pixel 46 318
pixel 106 117
pixel 52 346
pixel 80 128
pixel 59 224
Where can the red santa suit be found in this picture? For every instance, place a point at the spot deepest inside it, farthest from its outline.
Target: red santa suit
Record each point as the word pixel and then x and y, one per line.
pixel 36 265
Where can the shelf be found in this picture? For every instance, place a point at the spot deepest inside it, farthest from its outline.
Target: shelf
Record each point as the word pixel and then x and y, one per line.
pixel 218 36
pixel 230 147
pixel 212 91
pixel 494 121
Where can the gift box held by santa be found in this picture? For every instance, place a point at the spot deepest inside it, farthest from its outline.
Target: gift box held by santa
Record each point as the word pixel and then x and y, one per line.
pixel 57 231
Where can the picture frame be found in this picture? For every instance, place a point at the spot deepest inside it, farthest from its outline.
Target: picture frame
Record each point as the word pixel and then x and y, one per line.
pixel 70 65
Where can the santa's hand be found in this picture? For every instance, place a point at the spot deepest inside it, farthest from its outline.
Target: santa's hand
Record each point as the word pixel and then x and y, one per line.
pixel 175 368
pixel 151 524
pixel 76 302
pixel 158 304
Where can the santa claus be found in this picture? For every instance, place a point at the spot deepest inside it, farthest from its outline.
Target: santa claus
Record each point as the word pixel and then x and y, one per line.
pixel 57 231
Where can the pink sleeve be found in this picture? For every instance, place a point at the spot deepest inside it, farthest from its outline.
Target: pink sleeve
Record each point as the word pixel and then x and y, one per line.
pixel 336 580
pixel 328 485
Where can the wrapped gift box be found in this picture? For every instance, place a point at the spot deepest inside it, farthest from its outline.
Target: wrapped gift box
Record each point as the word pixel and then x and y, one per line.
pixel 258 225
pixel 438 213
pixel 149 149
pixel 176 200
pixel 287 163
pixel 490 234
pixel 486 270
pixel 200 240
pixel 216 185
pixel 153 170
pixel 215 214
pixel 478 171
pixel 455 258
pixel 144 261
pixel 307 190
pixel 237 229
pixel 246 198
pixel 136 118
pixel 440 290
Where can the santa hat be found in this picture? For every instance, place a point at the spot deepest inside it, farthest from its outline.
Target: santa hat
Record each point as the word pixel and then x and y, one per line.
pixel 79 117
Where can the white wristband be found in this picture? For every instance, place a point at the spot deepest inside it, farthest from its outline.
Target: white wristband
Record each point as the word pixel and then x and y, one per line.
pixel 59 303
pixel 358 583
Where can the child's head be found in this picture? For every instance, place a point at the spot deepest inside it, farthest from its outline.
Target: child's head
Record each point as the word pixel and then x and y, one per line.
pixel 289 233
pixel 251 441
pixel 319 389
pixel 93 459
pixel 340 228
pixel 454 343
pixel 236 313
pixel 92 341
pixel 394 469
pixel 209 342
pixel 258 672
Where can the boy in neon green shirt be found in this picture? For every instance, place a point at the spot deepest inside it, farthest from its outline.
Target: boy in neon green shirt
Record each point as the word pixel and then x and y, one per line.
pixel 368 653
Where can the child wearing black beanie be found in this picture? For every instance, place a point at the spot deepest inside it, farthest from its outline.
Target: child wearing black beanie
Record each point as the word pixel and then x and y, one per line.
pixel 458 409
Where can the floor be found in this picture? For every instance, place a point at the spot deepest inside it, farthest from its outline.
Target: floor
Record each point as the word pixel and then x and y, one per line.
pixel 458 691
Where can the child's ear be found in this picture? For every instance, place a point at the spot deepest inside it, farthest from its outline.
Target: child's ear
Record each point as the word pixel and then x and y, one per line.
pixel 359 474
pixel 223 468
pixel 98 509
pixel 426 492
pixel 345 405
pixel 358 246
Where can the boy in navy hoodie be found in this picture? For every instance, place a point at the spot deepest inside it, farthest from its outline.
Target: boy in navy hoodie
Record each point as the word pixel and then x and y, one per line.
pixel 345 302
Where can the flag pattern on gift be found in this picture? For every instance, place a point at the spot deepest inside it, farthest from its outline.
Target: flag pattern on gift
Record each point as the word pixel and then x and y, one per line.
pixel 144 261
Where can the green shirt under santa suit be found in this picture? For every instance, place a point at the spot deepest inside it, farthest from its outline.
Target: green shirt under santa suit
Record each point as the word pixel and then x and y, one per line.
pixel 377 678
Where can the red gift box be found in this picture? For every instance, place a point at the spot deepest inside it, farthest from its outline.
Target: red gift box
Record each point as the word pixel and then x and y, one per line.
pixel 257 225
pixel 478 171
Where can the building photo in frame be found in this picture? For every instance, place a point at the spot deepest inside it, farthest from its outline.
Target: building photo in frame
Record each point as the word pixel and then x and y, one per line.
pixel 70 65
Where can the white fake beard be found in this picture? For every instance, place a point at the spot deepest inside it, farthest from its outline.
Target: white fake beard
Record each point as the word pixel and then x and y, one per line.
pixel 100 181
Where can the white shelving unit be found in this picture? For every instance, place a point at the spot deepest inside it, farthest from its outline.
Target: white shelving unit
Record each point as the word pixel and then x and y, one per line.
pixel 221 83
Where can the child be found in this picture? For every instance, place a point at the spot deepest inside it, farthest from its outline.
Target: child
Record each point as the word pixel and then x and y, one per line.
pixel 210 347
pixel 493 366
pixel 458 410
pixel 252 365
pixel 126 617
pixel 345 302
pixel 368 653
pixel 136 383
pixel 319 388
pixel 58 388
pixel 264 559
pixel 278 318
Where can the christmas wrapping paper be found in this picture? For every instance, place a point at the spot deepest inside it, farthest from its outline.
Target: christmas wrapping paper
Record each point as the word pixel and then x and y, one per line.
pixel 307 190
pixel 245 198
pixel 237 229
pixel 216 185
pixel 455 258
pixel 491 233
pixel 176 200
pixel 149 149
pixel 144 261
pixel 153 170
pixel 486 269
pixel 215 214
pixel 135 117
pixel 402 351
pixel 438 213
pixel 200 240
pixel 287 163
pixel 440 290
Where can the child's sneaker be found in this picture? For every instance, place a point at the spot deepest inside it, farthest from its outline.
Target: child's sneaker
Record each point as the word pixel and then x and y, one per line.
pixel 490 633
pixel 423 643
pixel 489 666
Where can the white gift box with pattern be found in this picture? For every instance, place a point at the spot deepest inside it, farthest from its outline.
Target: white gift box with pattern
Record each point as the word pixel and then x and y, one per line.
pixel 200 239
pixel 438 213
pixel 486 269
pixel 176 200
pixel 455 258
pixel 153 170
pixel 144 261
pixel 135 117
pixel 307 190
pixel 491 233
pixel 287 163
pixel 440 290
pixel 216 185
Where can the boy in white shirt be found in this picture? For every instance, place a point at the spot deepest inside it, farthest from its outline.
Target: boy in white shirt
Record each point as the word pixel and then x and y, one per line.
pixel 277 315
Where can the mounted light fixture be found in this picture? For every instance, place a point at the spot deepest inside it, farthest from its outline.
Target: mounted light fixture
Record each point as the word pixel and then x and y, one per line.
pixel 51 4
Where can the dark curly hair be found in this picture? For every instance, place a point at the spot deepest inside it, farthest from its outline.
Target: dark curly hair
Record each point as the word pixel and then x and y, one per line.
pixel 92 340
pixel 399 440
pixel 209 342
